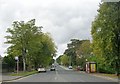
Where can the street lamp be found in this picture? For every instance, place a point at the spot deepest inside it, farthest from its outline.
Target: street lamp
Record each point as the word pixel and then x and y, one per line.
pixel 17 59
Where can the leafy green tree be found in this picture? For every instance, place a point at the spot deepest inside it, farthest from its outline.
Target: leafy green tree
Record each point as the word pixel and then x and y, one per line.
pixel 21 33
pixel 9 62
pixel 105 33
pixel 65 60
pixel 72 50
pixel 78 51
pixel 27 40
pixel 83 52
pixel 59 59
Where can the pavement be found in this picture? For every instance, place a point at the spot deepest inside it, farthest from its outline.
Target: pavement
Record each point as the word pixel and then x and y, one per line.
pixel 105 77
pixel 7 77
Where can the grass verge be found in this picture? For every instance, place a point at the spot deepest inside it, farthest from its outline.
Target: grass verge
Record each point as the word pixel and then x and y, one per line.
pixel 107 75
pixel 110 75
pixel 23 73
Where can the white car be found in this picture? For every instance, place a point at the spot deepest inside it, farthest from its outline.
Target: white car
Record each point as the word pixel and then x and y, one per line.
pixel 70 67
pixel 41 69
pixel 52 68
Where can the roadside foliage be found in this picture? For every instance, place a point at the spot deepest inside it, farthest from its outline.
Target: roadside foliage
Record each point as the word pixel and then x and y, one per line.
pixel 106 37
pixel 77 52
pixel 104 48
pixel 33 47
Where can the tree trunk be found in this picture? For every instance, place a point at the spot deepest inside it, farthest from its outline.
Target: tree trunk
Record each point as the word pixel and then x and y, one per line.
pixel 24 63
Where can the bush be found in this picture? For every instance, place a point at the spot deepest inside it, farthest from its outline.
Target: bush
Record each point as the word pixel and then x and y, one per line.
pixel 105 69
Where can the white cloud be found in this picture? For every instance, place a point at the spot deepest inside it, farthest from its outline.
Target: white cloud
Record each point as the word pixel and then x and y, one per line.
pixel 64 19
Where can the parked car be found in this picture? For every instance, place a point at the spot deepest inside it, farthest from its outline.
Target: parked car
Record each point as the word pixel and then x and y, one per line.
pixel 70 67
pixel 41 69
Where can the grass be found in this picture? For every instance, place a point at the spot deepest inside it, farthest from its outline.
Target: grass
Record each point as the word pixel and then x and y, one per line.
pixel 23 73
pixel 108 75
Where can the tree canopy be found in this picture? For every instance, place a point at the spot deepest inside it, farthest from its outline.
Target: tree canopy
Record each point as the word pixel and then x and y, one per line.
pixel 106 33
pixel 28 40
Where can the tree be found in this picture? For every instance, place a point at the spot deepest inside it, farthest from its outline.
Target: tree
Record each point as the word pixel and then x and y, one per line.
pixel 83 52
pixel 65 60
pixel 9 62
pixel 105 33
pixel 59 59
pixel 21 33
pixel 72 49
pixel 78 51
pixel 27 40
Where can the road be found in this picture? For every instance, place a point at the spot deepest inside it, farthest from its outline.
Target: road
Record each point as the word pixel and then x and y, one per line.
pixel 62 75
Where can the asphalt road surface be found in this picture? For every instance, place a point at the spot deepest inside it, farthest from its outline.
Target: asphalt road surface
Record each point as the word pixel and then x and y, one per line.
pixel 62 75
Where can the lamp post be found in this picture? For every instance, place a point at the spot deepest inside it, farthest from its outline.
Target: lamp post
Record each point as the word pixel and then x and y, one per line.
pixel 17 59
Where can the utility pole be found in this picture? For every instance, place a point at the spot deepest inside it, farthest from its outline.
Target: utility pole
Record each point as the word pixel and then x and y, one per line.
pixel 24 61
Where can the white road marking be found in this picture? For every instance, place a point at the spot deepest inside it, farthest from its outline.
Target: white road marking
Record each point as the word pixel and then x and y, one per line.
pixel 56 72
pixel 56 75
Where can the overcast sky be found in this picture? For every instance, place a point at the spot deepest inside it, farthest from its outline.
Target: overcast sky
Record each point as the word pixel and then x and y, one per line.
pixel 64 19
